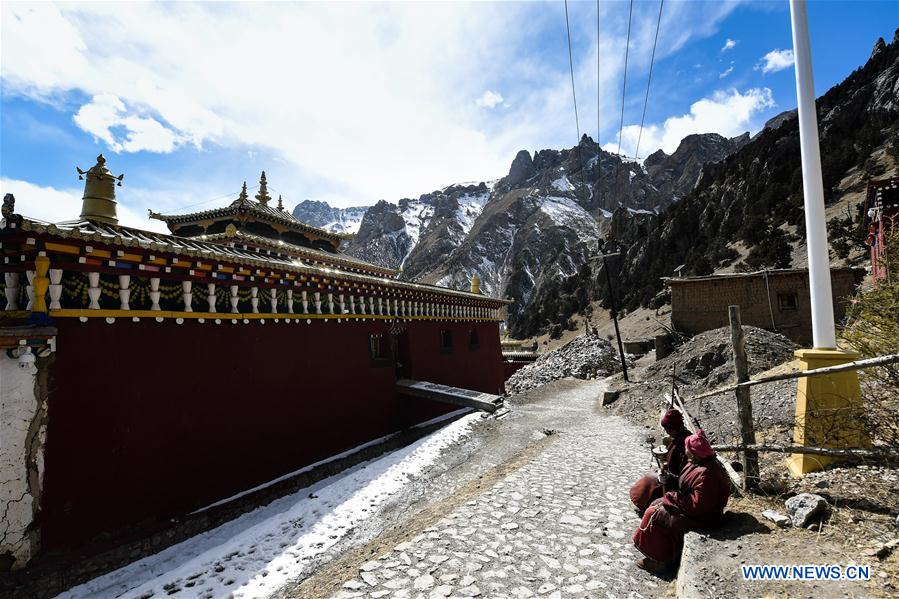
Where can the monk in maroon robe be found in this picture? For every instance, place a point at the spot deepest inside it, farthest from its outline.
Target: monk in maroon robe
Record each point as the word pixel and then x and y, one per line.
pixel 651 487
pixel 697 504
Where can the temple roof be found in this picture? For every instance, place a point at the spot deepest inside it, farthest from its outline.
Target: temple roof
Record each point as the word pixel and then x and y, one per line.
pixel 241 238
pixel 115 235
pixel 259 210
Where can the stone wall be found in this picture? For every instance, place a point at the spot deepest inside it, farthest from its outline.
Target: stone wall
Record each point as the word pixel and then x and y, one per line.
pixel 23 428
pixel 779 301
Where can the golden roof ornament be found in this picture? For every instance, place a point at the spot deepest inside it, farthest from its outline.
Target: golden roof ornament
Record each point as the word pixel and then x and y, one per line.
pixel 263 196
pixel 475 284
pixel 280 203
pixel 230 230
pixel 98 203
pixel 242 198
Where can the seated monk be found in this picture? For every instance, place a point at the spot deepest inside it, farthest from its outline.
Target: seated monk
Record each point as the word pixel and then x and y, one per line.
pixel 652 486
pixel 697 504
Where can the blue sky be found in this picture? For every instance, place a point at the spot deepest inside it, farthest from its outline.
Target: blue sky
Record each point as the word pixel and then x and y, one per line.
pixel 352 103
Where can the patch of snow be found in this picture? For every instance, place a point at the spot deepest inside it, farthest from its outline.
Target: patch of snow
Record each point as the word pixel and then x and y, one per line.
pixel 639 211
pixel 470 208
pixel 565 212
pixel 256 554
pixel 348 220
pixel 563 184
pixel 630 176
pixel 605 213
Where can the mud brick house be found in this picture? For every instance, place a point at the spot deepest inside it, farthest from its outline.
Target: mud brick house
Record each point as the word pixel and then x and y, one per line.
pixel 777 300
pixel 147 375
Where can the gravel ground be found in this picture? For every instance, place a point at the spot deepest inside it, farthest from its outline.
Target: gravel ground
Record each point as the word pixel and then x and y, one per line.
pixel 540 510
pixel 704 363
pixel 585 357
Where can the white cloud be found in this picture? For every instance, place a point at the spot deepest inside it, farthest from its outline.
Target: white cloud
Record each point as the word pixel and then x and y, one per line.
pixel 55 205
pixel 387 88
pixel 729 44
pixel 105 111
pixel 725 72
pixel 489 99
pixel 776 60
pixel 727 113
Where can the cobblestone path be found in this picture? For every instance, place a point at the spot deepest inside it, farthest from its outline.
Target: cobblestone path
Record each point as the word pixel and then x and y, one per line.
pixel 560 526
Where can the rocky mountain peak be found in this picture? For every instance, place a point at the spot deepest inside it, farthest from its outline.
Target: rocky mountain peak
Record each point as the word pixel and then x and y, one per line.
pixel 879 46
pixel 521 170
pixel 677 174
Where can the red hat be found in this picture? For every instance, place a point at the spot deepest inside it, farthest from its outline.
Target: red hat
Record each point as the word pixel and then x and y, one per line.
pixel 699 445
pixel 672 419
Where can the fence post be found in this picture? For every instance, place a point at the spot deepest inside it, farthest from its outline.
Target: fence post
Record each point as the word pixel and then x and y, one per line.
pixel 744 403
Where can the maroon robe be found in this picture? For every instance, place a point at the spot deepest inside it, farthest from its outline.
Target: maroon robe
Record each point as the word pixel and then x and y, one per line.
pixel 648 488
pixel 698 503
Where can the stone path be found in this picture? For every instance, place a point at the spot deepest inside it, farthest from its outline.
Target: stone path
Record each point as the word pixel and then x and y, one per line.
pixel 560 526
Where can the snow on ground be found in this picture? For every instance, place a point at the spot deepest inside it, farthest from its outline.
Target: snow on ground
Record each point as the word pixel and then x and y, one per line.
pixel 563 184
pixel 470 208
pixel 639 211
pixel 565 212
pixel 417 216
pixel 348 220
pixel 256 554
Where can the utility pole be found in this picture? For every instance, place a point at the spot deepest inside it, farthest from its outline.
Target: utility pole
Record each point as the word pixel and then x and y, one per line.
pixel 823 333
pixel 828 408
pixel 614 310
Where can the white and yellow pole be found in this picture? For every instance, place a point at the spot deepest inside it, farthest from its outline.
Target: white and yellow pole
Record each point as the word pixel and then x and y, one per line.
pixel 827 407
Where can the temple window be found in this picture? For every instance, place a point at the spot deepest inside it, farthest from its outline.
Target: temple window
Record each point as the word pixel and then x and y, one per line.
pixel 446 341
pixel 379 350
pixel 473 341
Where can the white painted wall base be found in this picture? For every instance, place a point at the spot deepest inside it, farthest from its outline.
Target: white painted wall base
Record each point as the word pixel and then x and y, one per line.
pixel 23 433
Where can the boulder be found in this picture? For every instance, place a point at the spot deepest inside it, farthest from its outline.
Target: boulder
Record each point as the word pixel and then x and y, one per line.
pixel 776 517
pixel 805 508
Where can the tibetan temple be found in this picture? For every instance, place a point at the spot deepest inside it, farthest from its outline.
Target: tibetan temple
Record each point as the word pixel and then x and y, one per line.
pixel 882 220
pixel 147 375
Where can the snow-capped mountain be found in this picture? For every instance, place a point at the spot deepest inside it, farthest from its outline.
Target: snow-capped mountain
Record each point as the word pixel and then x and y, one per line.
pixel 531 229
pixel 337 220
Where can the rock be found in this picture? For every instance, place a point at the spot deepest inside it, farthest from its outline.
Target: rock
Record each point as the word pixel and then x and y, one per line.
pixel 424 582
pixel 776 517
pixel 443 590
pixel 805 508
pixel 353 585
pixel 585 357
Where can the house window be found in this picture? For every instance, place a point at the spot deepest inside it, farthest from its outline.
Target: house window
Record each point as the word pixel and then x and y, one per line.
pixel 379 350
pixel 473 341
pixel 787 301
pixel 446 341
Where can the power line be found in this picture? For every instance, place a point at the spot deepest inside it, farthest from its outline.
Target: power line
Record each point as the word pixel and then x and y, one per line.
pixel 225 195
pixel 648 81
pixel 627 48
pixel 577 123
pixel 598 113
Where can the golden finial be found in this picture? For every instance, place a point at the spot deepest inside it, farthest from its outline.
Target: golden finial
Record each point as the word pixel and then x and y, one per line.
pixel 263 196
pixel 475 284
pixel 242 198
pixel 280 203
pixel 98 202
pixel 230 230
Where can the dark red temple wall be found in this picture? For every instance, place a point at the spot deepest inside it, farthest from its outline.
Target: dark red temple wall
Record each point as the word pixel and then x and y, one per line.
pixel 480 369
pixel 148 419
